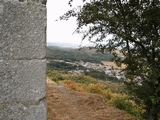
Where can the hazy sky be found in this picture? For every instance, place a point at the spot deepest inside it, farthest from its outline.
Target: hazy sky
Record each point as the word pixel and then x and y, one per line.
pixel 61 31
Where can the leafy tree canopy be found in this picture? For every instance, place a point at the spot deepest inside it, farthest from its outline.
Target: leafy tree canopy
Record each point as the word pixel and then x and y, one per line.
pixel 135 29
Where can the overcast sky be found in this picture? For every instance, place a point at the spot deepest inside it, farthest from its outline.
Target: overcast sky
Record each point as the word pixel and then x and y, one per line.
pixel 61 31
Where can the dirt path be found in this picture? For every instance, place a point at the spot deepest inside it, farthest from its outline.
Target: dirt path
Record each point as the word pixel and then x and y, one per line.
pixel 65 104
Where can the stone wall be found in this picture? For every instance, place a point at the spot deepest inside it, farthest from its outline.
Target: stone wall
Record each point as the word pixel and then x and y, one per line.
pixel 22 60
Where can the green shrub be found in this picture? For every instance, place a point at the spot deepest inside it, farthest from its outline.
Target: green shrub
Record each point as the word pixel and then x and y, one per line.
pixel 124 104
pixel 55 76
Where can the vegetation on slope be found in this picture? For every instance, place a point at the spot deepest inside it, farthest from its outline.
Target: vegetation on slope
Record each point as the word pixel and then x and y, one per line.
pixel 92 73
pixel 69 55
pixel 113 93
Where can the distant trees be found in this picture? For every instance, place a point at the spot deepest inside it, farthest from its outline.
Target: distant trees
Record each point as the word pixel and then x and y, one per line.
pixel 60 66
pixel 135 29
pixel 71 55
pixel 92 73
pixel 101 75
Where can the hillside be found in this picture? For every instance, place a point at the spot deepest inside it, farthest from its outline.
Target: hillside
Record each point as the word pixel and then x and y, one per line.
pixel 70 54
pixel 87 61
pixel 87 87
pixel 66 104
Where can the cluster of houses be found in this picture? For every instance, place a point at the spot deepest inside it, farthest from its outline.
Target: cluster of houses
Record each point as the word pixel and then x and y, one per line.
pixel 108 69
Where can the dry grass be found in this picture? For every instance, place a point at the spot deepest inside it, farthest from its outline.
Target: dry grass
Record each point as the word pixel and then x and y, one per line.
pixel 66 104
pixel 72 85
pixel 112 98
pixel 96 88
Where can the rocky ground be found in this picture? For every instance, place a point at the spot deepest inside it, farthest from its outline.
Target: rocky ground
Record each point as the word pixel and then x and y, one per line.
pixel 66 104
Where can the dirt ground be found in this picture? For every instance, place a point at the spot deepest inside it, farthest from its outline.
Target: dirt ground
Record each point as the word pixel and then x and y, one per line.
pixel 65 104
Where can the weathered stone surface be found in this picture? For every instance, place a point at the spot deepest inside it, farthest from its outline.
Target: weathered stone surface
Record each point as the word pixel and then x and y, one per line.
pixel 22 90
pixel 22 60
pixel 23 111
pixel 23 34
pixel 1 9
pixel 22 80
pixel 27 1
pixel 1 23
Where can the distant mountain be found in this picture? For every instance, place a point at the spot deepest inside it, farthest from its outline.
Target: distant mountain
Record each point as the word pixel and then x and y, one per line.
pixel 63 45
pixel 68 45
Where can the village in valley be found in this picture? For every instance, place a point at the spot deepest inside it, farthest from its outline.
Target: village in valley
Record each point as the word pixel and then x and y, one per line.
pixel 109 68
pixel 85 62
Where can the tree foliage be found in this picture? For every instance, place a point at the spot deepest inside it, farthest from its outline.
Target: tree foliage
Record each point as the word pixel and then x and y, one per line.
pixel 135 29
